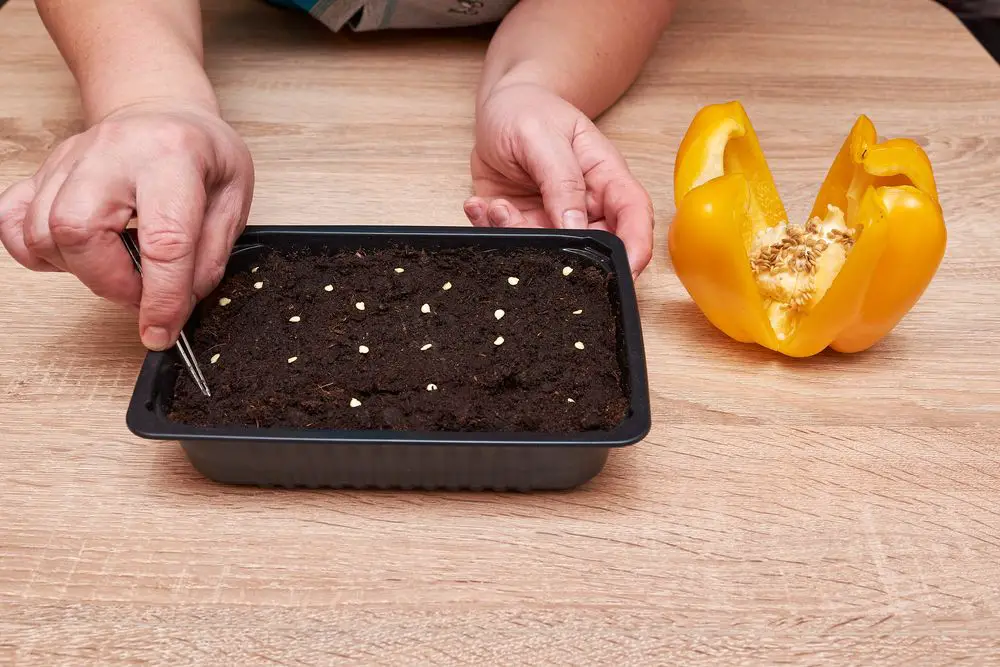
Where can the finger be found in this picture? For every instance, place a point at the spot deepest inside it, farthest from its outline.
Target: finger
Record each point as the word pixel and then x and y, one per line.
pixel 552 164
pixel 170 205
pixel 624 203
pixel 595 205
pixel 91 209
pixel 475 210
pixel 502 213
pixel 225 220
pixel 629 213
pixel 602 225
pixel 37 223
pixel 14 203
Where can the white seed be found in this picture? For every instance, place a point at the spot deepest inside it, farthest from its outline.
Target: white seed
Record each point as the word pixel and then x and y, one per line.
pixel 432 387
pixel 578 345
pixel 498 341
pixel 329 288
pixel 498 313
pixel 225 301
pixel 258 285
pixel 355 403
pixel 567 270
pixel 570 400
pixel 578 312
pixel 446 287
pixel 360 305
pixel 215 357
pixel 254 269
pixel 363 349
pixel 399 269
pixel 292 360
pixel 426 308
pixel 513 281
pixel 294 318
pixel 426 347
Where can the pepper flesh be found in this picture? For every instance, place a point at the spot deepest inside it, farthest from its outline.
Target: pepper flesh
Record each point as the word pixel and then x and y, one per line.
pixel 844 279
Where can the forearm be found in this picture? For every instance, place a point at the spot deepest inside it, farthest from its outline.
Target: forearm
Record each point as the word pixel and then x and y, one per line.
pixel 587 51
pixel 124 52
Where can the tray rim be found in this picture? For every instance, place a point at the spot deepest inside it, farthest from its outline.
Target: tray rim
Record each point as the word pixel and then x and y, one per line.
pixel 146 423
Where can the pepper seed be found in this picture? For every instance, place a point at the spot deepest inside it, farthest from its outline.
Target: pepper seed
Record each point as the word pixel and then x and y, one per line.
pixel 355 403
pixel 567 270
pixel 215 357
pixel 578 345
pixel 426 347
pixel 570 400
pixel 363 349
pixel 578 312
pixel 513 281
pixel 432 387
pixel 360 305
pixel 258 285
pixel 294 318
pixel 426 308
pixel 446 287
pixel 292 360
pixel 329 288
pixel 225 301
pixel 254 269
pixel 399 269
pixel 498 341
pixel 498 313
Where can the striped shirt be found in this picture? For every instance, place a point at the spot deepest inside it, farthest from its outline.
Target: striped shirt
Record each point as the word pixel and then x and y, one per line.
pixel 364 15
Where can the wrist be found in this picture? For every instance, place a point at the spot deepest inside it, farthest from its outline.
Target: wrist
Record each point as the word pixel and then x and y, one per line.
pixel 104 104
pixel 180 83
pixel 523 73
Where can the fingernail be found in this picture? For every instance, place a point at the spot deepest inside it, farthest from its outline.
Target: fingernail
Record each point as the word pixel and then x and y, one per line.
pixel 574 220
pixel 499 215
pixel 474 211
pixel 156 338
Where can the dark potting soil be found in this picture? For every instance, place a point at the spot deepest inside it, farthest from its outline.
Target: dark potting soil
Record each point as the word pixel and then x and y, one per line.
pixel 536 380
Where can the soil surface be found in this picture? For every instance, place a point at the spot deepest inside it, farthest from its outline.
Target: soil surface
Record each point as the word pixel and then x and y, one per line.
pixel 536 380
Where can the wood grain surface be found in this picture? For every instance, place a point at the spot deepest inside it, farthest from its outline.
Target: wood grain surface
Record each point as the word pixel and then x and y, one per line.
pixel 834 510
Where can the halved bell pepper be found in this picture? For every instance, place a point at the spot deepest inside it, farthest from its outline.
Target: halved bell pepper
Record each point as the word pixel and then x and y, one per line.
pixel 844 279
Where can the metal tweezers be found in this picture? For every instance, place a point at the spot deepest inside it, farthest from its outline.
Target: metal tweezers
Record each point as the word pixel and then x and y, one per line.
pixel 182 345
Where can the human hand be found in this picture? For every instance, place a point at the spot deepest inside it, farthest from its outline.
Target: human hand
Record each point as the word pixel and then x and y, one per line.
pixel 181 170
pixel 540 162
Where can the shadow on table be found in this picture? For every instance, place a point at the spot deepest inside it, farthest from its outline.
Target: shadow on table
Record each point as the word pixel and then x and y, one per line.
pixel 691 325
pixel 177 477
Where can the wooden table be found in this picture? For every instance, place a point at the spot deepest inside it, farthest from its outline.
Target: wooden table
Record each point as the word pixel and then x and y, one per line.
pixel 838 510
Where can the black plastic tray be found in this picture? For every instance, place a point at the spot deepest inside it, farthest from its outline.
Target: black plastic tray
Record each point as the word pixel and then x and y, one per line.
pixel 406 459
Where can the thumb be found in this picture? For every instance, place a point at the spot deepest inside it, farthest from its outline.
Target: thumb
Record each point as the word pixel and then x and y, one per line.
pixel 554 167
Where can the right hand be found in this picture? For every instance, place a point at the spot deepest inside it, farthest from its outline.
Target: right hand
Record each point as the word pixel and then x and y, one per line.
pixel 181 170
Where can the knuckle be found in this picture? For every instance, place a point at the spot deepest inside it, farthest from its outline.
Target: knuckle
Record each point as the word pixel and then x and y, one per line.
pixel 14 202
pixel 164 306
pixel 167 241
pixel 570 185
pixel 68 227
pixel 35 242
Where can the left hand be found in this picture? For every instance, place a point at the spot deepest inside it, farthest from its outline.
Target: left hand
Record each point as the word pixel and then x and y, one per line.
pixel 540 162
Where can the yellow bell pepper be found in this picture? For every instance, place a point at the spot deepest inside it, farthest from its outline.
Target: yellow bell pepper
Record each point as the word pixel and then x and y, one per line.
pixel 844 279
